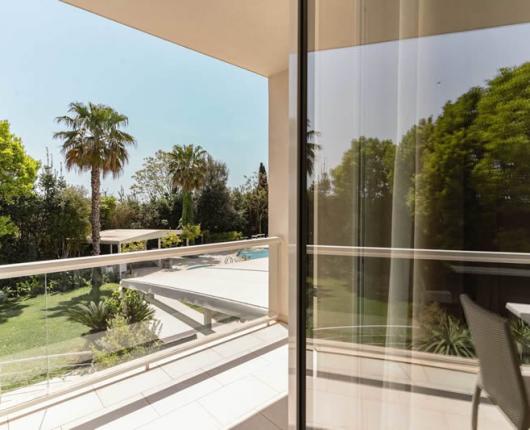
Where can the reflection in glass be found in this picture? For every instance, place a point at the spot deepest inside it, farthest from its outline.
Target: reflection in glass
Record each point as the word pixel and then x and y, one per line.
pixel 423 144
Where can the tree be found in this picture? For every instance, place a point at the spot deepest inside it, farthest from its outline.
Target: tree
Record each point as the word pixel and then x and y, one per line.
pixel 262 177
pixel 445 202
pixel 311 148
pixel 215 211
pixel 188 165
pixel 255 205
pixel 18 172
pixel 501 171
pixel 63 212
pixel 362 182
pixel 52 222
pixel 154 180
pixel 94 142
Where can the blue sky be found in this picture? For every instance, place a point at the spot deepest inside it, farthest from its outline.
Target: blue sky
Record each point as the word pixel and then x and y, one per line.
pixel 53 54
pixel 381 90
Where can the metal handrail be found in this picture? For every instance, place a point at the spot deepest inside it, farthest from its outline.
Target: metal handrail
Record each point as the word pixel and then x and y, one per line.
pixel 63 265
pixel 421 254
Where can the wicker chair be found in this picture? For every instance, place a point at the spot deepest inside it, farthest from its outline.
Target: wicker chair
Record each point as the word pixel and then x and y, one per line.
pixel 500 371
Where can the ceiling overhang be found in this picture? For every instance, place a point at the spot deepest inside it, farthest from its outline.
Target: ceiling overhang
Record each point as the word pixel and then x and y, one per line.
pixel 254 34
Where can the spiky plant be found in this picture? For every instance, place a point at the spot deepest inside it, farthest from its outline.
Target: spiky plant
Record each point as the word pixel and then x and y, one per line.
pixel 93 315
pixel 448 336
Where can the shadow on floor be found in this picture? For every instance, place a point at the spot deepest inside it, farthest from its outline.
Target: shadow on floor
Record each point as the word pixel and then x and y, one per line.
pixel 273 417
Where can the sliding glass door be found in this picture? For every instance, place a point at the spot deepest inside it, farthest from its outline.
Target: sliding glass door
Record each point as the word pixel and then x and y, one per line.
pixel 416 190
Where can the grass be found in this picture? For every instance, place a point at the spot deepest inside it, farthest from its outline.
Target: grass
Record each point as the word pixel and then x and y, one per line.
pixel 35 323
pixel 339 305
pixel 39 326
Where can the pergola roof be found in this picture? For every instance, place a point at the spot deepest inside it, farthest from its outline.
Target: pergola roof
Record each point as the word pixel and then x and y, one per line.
pixel 117 236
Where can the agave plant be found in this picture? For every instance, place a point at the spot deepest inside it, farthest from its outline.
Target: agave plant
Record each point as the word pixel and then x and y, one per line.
pixel 444 334
pixel 94 315
pixel 131 305
pixel 521 334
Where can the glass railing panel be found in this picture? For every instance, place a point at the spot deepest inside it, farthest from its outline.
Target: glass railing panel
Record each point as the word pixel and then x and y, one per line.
pixel 61 329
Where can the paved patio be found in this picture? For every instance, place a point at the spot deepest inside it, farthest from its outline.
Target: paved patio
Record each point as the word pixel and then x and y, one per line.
pixel 242 384
pixel 217 388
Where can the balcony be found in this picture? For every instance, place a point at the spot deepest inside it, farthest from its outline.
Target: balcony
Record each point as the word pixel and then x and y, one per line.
pixel 220 356
pixel 214 336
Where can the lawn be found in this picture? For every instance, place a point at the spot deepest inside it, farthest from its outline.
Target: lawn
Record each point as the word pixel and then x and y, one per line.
pixel 338 306
pixel 39 327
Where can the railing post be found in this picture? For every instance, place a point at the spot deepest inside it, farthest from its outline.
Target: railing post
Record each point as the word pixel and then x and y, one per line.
pixel 274 279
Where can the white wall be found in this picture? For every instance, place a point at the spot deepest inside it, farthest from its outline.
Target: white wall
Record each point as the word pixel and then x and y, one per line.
pixel 279 182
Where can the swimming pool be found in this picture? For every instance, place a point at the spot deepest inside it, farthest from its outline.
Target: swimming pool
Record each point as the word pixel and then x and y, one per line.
pixel 253 253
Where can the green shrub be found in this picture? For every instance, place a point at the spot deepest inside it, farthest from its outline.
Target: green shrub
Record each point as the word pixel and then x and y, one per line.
pixel 131 305
pixel 190 232
pixel 30 287
pixel 441 333
pixel 124 341
pixel 228 236
pixel 172 240
pixel 133 246
pixel 94 315
pixel 521 335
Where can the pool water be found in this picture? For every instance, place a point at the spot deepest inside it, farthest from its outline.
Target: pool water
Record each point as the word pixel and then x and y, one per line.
pixel 253 253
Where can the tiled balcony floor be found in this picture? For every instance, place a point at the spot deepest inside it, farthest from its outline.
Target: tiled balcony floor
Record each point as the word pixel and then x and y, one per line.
pixel 242 384
pixel 217 388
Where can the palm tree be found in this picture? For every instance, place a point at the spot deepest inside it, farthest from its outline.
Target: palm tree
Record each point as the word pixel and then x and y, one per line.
pixel 311 148
pixel 188 166
pixel 94 142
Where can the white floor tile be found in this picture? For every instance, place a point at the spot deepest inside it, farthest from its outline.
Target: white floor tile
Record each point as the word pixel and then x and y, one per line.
pixel 33 421
pixel 279 354
pixel 192 416
pixel 277 413
pixel 255 422
pixel 193 364
pixel 129 387
pixel 240 371
pixel 275 374
pixel 239 346
pixel 241 398
pixel 273 333
pixel 71 410
pixel 132 420
pixel 183 397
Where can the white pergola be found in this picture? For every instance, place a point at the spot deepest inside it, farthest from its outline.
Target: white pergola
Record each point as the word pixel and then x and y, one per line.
pixel 119 237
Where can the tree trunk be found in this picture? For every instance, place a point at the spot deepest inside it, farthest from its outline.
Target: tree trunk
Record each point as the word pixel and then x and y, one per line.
pixel 187 209
pixel 95 218
pixel 95 221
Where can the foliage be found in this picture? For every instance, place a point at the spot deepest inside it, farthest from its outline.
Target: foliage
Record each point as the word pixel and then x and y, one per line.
pixel 29 287
pixel 441 333
pixel 133 246
pixel 228 236
pixel 311 148
pixel 172 240
pixel 131 305
pixel 254 204
pixel 187 165
pixel 154 181
pixel 52 222
pixel 215 209
pixel 521 334
pixel 93 315
pixel 190 232
pixel 17 173
pixel 94 142
pixel 124 341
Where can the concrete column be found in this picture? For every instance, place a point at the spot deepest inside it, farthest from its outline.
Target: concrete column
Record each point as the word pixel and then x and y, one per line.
pixel 279 189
